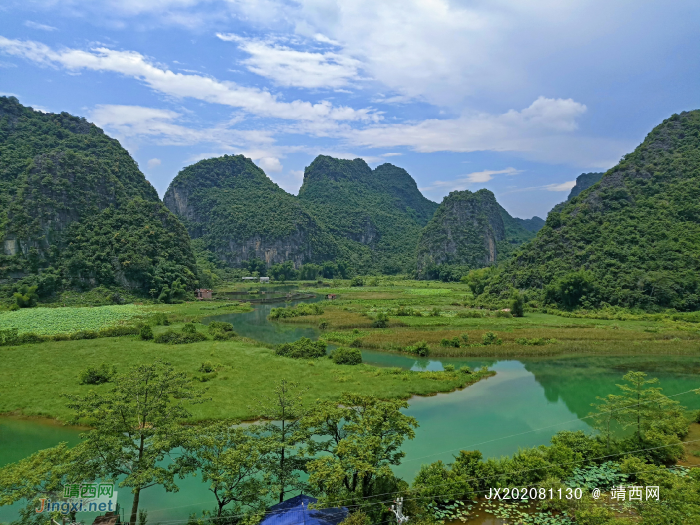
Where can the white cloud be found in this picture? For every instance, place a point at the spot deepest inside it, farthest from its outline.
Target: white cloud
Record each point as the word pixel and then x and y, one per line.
pixel 36 25
pixel 564 186
pixel 510 131
pixel 153 163
pixel 289 67
pixel 270 164
pixel 470 178
pixel 130 63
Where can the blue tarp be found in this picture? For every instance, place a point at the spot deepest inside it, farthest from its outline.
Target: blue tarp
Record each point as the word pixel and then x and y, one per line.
pixel 296 511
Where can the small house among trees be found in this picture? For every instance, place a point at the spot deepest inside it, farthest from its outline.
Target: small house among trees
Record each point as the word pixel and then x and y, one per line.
pixel 203 294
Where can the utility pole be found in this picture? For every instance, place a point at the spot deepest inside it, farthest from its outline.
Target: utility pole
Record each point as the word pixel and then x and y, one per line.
pixel 398 510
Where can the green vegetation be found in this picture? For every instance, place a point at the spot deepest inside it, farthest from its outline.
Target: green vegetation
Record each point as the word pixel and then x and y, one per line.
pixel 468 231
pixel 76 212
pixel 631 240
pixel 227 202
pixel 297 311
pixel 346 356
pixel 304 348
pixel 375 215
pixel 50 321
pixel 96 375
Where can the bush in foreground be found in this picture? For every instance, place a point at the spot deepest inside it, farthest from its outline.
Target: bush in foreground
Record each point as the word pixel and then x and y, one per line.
pixel 346 356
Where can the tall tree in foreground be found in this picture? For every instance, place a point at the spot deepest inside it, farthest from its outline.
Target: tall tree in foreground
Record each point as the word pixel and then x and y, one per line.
pixel 284 410
pixel 361 439
pixel 136 426
pixel 230 458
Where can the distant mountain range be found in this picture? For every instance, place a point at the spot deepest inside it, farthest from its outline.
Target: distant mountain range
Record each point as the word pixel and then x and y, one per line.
pixel 75 211
pixel 370 219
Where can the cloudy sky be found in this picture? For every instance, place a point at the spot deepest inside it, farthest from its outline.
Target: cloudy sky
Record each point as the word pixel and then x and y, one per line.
pixel 517 96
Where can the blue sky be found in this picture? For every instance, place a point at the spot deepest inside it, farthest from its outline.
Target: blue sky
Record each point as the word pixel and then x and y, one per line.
pixel 517 96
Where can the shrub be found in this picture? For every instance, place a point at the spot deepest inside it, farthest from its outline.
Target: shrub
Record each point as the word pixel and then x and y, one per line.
pixel 356 343
pixel 8 336
pixel 381 321
pixel 84 334
pixel 219 326
pixel 297 311
pixel 26 296
pixel 450 342
pixel 220 335
pixel 119 331
pixel 501 313
pixel 96 375
pixel 537 341
pixel 465 370
pixel 160 319
pixel 357 281
pixel 449 368
pixel 189 328
pixel 465 338
pixel 402 311
pixel 171 337
pixel 304 348
pixel 323 324
pixel 435 312
pixel 490 338
pixel 30 339
pixel 207 367
pixel 146 333
pixel 469 314
pixel 420 349
pixel 347 356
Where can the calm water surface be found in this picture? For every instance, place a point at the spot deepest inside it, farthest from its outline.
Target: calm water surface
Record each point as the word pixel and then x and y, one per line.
pixel 527 402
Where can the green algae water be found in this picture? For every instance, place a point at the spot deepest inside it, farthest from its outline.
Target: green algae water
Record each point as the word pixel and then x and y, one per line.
pixel 527 402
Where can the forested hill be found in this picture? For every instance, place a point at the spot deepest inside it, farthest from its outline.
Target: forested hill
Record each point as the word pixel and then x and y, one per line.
pixel 75 211
pixel 376 215
pixel 240 214
pixel 632 239
pixel 468 231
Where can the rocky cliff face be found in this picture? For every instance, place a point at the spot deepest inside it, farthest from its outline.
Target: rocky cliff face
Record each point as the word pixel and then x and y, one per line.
pixel 465 230
pixel 240 214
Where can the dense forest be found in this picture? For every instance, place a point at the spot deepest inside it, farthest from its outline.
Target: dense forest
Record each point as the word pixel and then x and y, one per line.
pixel 75 211
pixel 632 239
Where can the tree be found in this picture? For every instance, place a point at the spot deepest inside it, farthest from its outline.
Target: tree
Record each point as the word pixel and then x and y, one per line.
pixel 609 411
pixel 646 408
pixel 284 411
pixel 361 437
pixel 284 271
pixel 230 459
pixel 135 426
pixel 44 474
pixel 517 305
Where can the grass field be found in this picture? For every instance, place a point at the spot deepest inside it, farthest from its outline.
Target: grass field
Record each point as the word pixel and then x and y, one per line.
pixel 33 377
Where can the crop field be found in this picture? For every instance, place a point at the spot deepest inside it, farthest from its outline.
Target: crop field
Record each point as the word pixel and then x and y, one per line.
pixel 51 321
